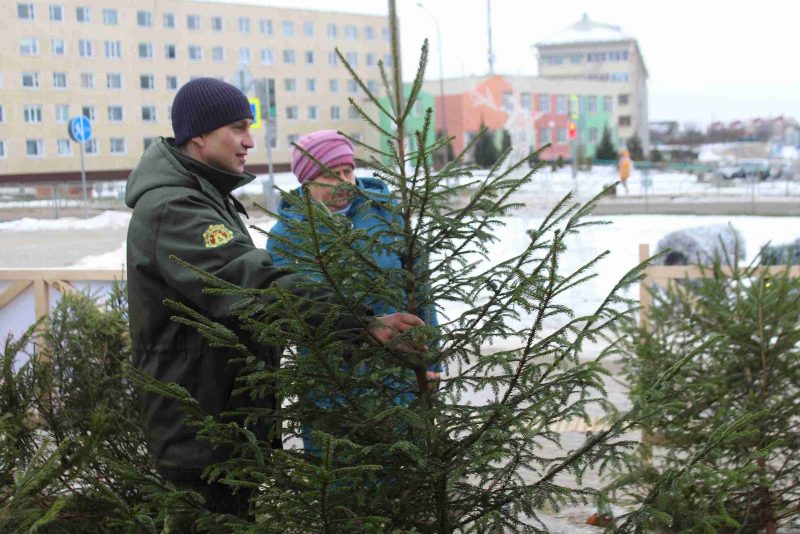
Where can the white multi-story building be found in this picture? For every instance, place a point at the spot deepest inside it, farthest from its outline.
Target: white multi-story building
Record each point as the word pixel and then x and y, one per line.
pixel 120 64
pixel 596 51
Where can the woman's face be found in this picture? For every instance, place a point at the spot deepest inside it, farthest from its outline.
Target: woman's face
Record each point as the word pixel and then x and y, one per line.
pixel 323 186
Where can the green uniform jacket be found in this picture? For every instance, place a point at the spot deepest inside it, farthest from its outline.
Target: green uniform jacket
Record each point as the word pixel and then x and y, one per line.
pixel 184 208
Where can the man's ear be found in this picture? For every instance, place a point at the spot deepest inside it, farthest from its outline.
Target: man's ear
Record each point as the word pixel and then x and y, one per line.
pixel 200 141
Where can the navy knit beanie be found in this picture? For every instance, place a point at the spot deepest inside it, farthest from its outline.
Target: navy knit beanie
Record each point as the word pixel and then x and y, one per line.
pixel 205 104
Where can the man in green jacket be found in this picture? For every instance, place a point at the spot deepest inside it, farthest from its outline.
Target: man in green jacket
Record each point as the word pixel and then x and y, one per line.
pixel 180 193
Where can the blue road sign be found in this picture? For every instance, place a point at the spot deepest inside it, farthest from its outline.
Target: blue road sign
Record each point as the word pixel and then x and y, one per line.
pixel 80 129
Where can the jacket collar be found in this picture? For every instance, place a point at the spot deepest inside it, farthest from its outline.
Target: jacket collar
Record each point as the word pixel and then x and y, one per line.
pixel 207 176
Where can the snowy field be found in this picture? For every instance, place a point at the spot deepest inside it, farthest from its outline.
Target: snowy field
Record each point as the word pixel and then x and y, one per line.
pixel 621 238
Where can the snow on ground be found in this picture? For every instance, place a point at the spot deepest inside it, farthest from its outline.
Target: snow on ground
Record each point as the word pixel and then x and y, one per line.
pixel 107 219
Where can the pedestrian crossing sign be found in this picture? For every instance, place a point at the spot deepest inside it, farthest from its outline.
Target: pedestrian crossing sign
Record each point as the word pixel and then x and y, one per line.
pixel 255 107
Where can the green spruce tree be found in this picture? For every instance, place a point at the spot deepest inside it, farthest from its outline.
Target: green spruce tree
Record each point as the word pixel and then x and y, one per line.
pixel 485 151
pixel 635 149
pixel 606 149
pixel 740 395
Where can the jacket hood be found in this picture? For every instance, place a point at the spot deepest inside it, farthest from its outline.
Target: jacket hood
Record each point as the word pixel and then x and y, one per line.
pixel 163 165
pixel 369 188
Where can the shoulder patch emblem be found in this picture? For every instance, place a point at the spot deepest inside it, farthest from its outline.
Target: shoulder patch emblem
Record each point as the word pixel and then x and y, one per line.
pixel 216 235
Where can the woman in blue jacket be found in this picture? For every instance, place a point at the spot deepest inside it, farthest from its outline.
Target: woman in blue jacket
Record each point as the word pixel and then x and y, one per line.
pixel 336 153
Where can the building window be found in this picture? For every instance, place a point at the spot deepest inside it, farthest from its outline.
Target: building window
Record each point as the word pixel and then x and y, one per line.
pixel 64 147
pixel 265 26
pixel 2 149
pixel 308 29
pixel 291 112
pixel 59 80
pixel 267 56
pixel 33 113
pixel 292 138
pixel 169 21
pixel 525 101
pixel 147 81
pixel 147 141
pixel 244 25
pixel 508 101
pixel 561 136
pixel 114 113
pixel 312 113
pixel 593 135
pixel 146 50
pixel 545 136
pixel 288 56
pixel 148 114
pixel 2 115
pixel 29 46
pixel 311 85
pixel 333 59
pixel 622 100
pixel 25 11
pixel 388 60
pixel 193 22
pixel 332 31
pixel 369 33
pixel 335 115
pixel 216 24
pixel 58 47
pixel 218 53
pixel 333 86
pixel 352 86
pixel 30 80
pixel 62 113
pixel 195 52
pixel 114 80
pixel 290 85
pixel 607 104
pixel 90 147
pixel 144 19
pixel 624 120
pixel 562 104
pixel 352 112
pixel 85 48
pixel 350 32
pixel 117 145
pixel 352 58
pixel 287 27
pixel 370 60
pixel 34 148
pixel 544 103
pixel 56 13
pixel 372 85
pixel 113 49
pixel 387 35
pixel 170 51
pixel 309 57
pixel 88 112
pixel 87 80
pixel 172 82
pixel 591 104
pixel 82 14
pixel 244 55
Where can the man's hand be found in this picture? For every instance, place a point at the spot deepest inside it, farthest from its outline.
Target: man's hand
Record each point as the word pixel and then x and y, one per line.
pixel 386 327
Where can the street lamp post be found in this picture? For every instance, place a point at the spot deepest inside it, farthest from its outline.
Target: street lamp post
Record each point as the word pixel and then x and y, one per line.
pixel 441 67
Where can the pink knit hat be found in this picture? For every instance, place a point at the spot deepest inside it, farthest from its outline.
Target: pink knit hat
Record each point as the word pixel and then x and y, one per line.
pixel 329 147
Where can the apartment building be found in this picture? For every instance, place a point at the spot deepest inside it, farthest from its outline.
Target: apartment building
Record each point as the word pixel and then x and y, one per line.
pixel 120 64
pixel 602 52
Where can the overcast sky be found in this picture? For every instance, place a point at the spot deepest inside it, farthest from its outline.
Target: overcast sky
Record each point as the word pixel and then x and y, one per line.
pixel 707 59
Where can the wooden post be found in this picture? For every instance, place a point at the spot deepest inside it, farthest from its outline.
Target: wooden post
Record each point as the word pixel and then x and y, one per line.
pixel 41 298
pixel 645 299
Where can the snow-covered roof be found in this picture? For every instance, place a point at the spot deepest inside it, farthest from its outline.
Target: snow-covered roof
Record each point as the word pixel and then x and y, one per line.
pixel 586 31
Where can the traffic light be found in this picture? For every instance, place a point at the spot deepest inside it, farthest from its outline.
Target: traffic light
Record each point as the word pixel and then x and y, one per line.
pixel 572 131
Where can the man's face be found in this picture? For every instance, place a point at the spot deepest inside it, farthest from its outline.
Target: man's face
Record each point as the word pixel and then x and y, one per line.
pixel 323 188
pixel 226 147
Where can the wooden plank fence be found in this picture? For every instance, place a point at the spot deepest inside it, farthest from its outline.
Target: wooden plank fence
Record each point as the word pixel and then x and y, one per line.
pixel 42 280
